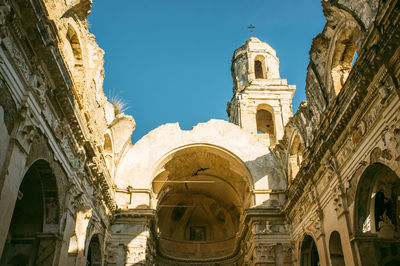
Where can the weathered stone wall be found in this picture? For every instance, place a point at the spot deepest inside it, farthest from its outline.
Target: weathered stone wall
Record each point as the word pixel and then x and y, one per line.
pixel 347 127
pixel 102 197
pixel 349 19
pixel 54 122
pixel 138 165
pixel 84 61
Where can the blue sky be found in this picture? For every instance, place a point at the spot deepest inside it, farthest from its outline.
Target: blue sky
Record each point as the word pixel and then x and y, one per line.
pixel 169 60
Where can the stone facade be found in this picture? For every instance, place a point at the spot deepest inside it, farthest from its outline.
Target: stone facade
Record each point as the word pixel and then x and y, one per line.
pixel 320 187
pixel 341 204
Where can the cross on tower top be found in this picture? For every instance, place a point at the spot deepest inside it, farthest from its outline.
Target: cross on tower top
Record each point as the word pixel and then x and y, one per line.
pixel 251 28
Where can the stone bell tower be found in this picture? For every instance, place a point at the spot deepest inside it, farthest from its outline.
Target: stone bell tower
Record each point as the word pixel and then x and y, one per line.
pixel 262 101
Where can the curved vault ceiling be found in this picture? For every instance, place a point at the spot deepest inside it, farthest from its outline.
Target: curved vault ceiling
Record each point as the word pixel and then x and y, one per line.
pixel 201 195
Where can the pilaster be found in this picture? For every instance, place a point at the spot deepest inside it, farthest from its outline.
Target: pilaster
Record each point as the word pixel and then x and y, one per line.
pixel 267 240
pixel 132 238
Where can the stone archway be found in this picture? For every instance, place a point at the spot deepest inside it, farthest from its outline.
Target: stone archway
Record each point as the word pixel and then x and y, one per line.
pixel 32 234
pixel 94 256
pixel 233 168
pixel 377 201
pixel 202 192
pixel 377 215
pixel 309 253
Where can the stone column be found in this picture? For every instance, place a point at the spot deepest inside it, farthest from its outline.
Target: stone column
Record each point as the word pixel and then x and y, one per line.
pixel 286 110
pixel 278 124
pixel 83 216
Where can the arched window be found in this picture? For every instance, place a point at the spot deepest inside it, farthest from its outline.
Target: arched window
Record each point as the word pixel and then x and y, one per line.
pixel 108 152
pixel 377 201
pixel 73 57
pixel 342 60
pixel 335 249
pixel 265 122
pixel 73 40
pixel 309 253
pixel 295 156
pixel 259 67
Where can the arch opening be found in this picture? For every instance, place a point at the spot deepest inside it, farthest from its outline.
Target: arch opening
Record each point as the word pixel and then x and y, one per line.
pixel 202 193
pixel 94 257
pixel 335 249
pixel 259 67
pixel 108 153
pixel 377 202
pixel 265 122
pixel 309 253
pixel 75 45
pixel 295 156
pixel 75 59
pixel 36 213
pixel 342 60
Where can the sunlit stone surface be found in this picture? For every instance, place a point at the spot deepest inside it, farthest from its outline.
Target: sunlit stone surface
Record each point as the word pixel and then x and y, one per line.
pixel 318 187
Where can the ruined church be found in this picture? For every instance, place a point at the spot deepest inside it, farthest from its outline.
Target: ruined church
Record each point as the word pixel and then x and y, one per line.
pixel 268 187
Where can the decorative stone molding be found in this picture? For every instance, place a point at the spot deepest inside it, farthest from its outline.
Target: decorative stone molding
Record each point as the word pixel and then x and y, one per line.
pixel 391 140
pixel 266 227
pixel 316 225
pixel 18 59
pixel 288 253
pixel 135 255
pixel 338 200
pixel 264 253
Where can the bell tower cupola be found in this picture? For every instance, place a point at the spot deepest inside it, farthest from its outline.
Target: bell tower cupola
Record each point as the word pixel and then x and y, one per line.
pixel 262 101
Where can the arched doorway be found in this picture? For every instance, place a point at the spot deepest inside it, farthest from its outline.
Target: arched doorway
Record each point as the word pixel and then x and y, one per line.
pixel 335 249
pixel 309 253
pixel 32 233
pixel 202 192
pixel 94 257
